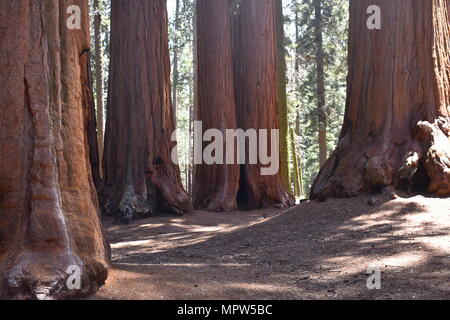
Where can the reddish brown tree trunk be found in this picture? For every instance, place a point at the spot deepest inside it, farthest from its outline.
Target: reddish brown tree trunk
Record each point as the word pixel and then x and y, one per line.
pixel 397 119
pixel 256 94
pixel 140 176
pixel 215 186
pixel 49 218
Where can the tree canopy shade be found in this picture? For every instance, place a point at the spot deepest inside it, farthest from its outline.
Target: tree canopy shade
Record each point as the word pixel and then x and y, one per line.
pixel 140 176
pixel 49 217
pixel 396 126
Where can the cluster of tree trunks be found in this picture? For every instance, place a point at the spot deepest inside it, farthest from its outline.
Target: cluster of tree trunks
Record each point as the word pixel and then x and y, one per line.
pixel 49 217
pixel 140 177
pixel 237 88
pixel 396 128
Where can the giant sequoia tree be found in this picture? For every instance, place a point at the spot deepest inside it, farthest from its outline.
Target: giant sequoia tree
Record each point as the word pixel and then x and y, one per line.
pixel 49 217
pixel 256 95
pixel 216 185
pixel 397 119
pixel 140 176
pixel 237 88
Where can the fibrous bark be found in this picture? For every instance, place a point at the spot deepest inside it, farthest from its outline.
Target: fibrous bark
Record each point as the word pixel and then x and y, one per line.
pixel 256 95
pixel 216 185
pixel 49 217
pixel 397 116
pixel 140 176
pixel 237 89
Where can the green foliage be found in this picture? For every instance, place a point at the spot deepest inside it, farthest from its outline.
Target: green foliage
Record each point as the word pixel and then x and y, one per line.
pixel 181 39
pixel 105 12
pixel 301 73
pixel 302 98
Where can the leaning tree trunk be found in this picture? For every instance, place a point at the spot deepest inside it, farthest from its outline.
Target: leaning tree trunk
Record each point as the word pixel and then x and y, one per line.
pixel 396 125
pixel 216 185
pixel 49 217
pixel 140 176
pixel 256 94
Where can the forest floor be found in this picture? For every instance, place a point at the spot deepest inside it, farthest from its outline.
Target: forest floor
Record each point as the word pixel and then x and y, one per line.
pixel 317 250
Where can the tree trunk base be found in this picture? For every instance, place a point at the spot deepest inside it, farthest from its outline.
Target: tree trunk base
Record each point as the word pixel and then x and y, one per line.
pixel 435 137
pixel 154 199
pixel 218 202
pixel 354 169
pixel 40 275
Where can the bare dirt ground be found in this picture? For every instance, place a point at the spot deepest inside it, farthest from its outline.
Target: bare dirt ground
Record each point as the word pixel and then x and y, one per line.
pixel 313 251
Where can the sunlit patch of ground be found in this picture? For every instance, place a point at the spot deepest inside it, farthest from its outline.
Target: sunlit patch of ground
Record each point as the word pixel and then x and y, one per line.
pixel 313 251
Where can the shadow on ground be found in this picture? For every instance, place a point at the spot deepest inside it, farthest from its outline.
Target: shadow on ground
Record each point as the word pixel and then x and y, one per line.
pixel 313 251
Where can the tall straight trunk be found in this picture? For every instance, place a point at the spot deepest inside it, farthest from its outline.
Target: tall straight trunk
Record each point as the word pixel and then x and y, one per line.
pixel 195 84
pixel 89 102
pixel 49 216
pixel 190 154
pixel 396 126
pixel 297 87
pixel 282 95
pixel 140 176
pixel 216 185
pixel 99 80
pixel 322 115
pixel 256 94
pixel 296 173
pixel 175 61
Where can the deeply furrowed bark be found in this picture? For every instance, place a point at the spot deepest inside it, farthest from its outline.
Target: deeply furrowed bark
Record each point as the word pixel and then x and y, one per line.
pixel 215 186
pixel 256 95
pixel 140 176
pixel 395 130
pixel 49 218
